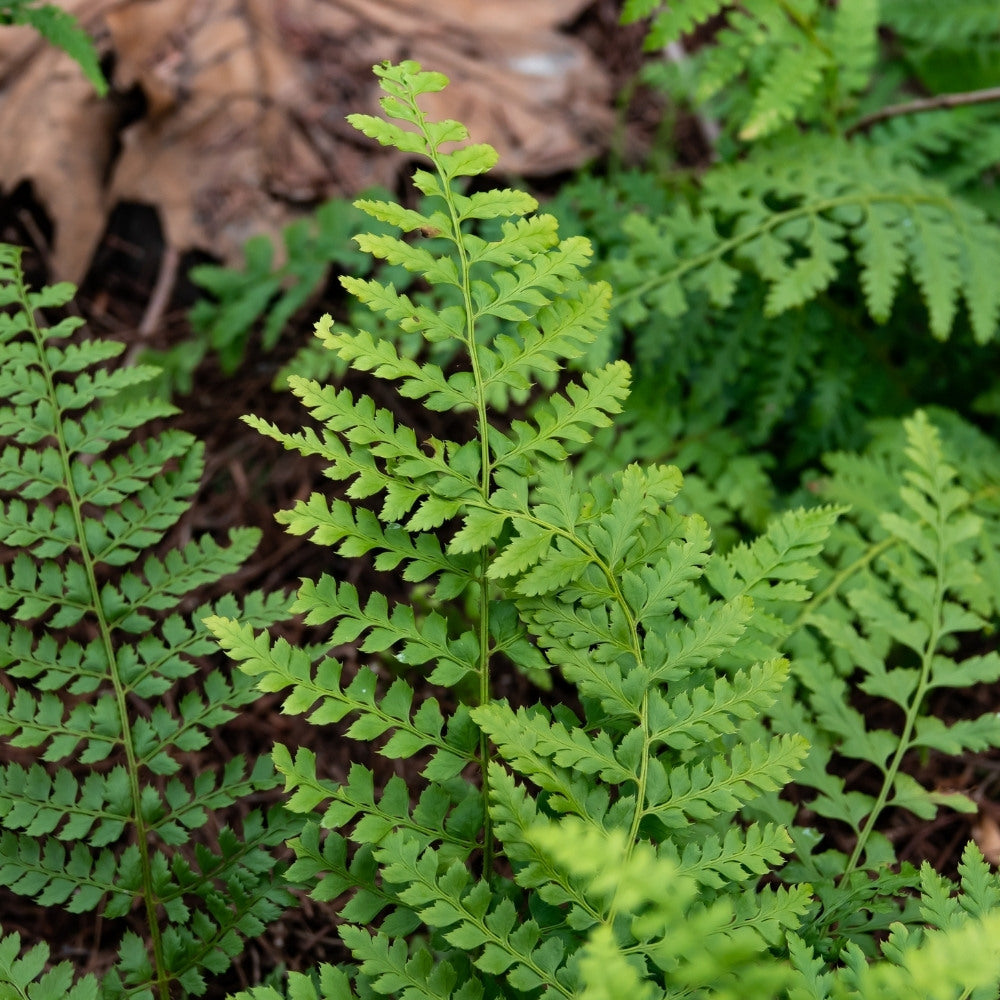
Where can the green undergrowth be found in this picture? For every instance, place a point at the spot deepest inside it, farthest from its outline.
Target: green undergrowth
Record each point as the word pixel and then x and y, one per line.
pixel 832 262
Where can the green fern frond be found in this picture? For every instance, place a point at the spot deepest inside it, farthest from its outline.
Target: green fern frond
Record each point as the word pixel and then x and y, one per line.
pixel 78 507
pixel 790 224
pixel 789 58
pixel 606 584
pixel 903 589
pixel 32 976
pixel 61 29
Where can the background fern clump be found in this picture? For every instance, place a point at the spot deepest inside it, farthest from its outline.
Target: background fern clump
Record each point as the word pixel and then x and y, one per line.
pixel 785 291
pixel 100 693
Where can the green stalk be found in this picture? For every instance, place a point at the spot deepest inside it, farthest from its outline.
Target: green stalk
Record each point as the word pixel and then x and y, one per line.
pixel 912 711
pixel 485 483
pixel 162 981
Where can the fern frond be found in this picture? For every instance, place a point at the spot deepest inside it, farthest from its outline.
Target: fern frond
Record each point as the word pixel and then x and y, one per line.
pixel 78 506
pixel 790 224
pixel 786 54
pixel 907 589
pixel 31 976
pixel 61 29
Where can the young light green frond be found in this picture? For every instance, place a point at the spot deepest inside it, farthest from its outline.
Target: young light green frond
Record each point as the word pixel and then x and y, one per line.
pixel 520 736
pixel 435 325
pixel 388 134
pixel 636 834
pixel 355 531
pixel 416 259
pixel 531 284
pixel 382 358
pixel 523 238
pixel 557 333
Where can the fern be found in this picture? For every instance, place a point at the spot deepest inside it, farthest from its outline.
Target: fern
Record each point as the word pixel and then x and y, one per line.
pixel 98 656
pixel 586 582
pixel 61 29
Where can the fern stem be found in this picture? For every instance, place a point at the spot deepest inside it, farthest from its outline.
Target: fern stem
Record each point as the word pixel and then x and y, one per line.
pixel 840 579
pixel 913 710
pixel 121 695
pixel 485 480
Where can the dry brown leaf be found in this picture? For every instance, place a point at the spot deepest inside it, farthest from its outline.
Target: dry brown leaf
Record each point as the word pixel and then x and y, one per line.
pixel 245 105
pixel 986 834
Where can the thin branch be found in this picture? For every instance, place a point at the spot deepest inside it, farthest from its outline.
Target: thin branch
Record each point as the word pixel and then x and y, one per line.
pixel 936 103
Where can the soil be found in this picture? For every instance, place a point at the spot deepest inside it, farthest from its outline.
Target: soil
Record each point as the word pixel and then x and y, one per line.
pixel 248 478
